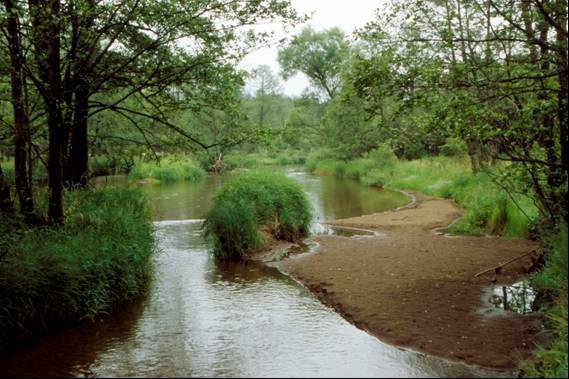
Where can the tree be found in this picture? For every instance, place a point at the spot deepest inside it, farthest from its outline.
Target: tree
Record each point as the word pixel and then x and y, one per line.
pixel 318 55
pixel 21 128
pixel 267 90
pixel 139 59
pixel 502 85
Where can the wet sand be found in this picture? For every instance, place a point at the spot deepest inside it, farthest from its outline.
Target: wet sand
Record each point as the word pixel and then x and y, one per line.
pixel 414 288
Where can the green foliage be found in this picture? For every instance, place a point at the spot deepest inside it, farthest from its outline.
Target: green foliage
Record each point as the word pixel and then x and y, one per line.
pixel 453 147
pixel 329 167
pixel 110 165
pixel 319 55
pixel 168 170
pixel 39 174
pixel 264 159
pixel 99 259
pixel 373 178
pixel 551 361
pixel 252 206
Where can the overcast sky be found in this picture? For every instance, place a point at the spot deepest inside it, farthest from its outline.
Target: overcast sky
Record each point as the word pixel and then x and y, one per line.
pixel 347 14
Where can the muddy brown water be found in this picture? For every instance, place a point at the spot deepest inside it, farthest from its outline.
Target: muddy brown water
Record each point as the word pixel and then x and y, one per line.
pixel 227 320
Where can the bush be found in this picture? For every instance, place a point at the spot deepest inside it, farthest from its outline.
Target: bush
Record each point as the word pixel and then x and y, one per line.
pixel 169 170
pixel 359 168
pixel 252 205
pixel 259 160
pixel 373 179
pixel 453 147
pixel 108 165
pixel 99 259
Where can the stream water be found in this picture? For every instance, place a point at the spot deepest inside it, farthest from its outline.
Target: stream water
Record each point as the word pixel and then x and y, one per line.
pixel 227 320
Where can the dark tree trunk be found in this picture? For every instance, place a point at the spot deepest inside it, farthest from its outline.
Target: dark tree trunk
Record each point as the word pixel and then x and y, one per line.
pixel 46 35
pixel 6 205
pixel 21 120
pixel 55 121
pixel 77 161
pixel 76 151
pixel 563 109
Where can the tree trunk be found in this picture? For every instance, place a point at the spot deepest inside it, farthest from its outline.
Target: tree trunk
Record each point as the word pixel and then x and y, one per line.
pixel 77 162
pixel 21 120
pixel 55 120
pixel 6 205
pixel 76 152
pixel 562 98
pixel 47 34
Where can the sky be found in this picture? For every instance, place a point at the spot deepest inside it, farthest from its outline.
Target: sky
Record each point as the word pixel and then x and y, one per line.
pixel 346 14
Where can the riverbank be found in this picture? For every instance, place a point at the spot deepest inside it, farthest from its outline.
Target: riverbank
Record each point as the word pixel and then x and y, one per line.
pixel 53 276
pixel 488 208
pixel 415 288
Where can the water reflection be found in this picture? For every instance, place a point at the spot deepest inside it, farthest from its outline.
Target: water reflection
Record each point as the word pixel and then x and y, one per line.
pixel 335 198
pixel 518 297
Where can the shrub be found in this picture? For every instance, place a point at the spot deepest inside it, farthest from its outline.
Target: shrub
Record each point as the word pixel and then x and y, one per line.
pixel 374 178
pixel 169 170
pixel 109 165
pixel 453 147
pixel 100 258
pixel 252 205
pixel 359 168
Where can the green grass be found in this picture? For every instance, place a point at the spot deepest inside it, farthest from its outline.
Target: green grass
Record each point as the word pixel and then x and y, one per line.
pixel 488 208
pixel 99 259
pixel 253 206
pixel 551 361
pixel 168 170
pixel 260 160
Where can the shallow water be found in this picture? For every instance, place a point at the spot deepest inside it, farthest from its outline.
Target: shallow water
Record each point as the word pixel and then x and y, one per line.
pixel 518 297
pixel 227 320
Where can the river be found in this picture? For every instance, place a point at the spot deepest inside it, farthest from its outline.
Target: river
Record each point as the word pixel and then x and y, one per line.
pixel 227 320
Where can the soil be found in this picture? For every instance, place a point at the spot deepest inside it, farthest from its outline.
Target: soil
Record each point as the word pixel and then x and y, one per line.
pixel 415 288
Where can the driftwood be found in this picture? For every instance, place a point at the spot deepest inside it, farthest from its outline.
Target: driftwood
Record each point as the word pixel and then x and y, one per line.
pixel 498 268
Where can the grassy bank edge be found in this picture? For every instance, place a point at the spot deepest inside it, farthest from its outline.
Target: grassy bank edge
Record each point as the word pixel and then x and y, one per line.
pixel 487 208
pixel 98 260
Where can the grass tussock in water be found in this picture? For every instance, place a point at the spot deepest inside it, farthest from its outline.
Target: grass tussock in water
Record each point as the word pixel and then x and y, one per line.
pixel 252 206
pixel 168 170
pixel 100 258
pixel 551 361
pixel 488 208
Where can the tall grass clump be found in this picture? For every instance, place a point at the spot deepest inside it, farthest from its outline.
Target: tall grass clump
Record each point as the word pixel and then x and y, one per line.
pixel 551 361
pixel 168 170
pixel 99 259
pixel 253 208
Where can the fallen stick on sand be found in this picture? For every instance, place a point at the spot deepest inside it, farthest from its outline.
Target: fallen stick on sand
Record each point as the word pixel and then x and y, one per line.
pixel 497 269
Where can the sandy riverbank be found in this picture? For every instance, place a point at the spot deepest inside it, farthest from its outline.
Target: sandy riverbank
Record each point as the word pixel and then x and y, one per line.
pixel 414 288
